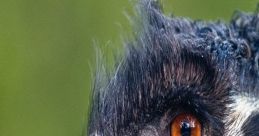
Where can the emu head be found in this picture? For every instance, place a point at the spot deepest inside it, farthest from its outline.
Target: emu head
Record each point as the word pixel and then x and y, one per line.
pixel 182 78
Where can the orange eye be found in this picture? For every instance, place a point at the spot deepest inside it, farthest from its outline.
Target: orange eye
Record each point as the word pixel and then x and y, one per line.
pixel 185 125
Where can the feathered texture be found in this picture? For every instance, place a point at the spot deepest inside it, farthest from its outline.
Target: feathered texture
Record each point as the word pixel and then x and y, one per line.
pixel 176 65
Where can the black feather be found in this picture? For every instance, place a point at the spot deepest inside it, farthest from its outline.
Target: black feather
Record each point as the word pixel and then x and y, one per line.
pixel 178 65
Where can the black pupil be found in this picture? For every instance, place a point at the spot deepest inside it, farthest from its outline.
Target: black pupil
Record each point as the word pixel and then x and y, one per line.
pixel 186 128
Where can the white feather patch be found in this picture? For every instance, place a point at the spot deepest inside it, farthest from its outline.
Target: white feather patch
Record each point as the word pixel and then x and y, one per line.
pixel 241 109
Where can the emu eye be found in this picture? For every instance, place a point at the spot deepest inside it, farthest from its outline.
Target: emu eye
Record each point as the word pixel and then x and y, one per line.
pixel 185 125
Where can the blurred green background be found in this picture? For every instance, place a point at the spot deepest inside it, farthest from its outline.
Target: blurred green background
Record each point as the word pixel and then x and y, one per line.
pixel 47 56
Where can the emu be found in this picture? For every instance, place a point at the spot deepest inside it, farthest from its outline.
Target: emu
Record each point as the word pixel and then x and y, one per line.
pixel 181 77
